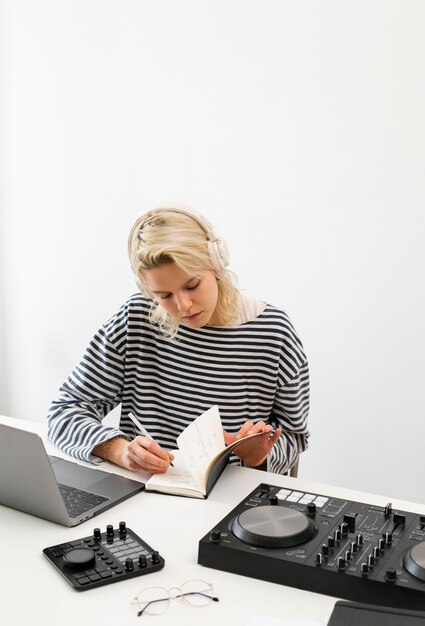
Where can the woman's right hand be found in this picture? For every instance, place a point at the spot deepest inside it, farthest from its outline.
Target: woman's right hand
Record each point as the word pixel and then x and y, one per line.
pixel 141 453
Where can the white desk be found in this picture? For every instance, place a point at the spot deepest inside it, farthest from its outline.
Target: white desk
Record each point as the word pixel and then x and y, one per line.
pixel 33 592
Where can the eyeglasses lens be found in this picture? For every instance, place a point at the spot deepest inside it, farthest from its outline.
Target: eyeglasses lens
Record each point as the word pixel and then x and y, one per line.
pixel 197 592
pixel 154 600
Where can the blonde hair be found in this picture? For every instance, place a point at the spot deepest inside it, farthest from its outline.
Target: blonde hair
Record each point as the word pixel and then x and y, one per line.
pixel 173 235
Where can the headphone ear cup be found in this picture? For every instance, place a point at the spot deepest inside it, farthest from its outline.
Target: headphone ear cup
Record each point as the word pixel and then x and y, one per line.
pixel 219 253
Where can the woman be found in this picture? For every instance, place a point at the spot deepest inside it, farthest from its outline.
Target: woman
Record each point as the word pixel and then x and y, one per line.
pixel 188 341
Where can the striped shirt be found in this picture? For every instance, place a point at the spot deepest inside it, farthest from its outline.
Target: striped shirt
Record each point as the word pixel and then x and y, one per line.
pixel 253 371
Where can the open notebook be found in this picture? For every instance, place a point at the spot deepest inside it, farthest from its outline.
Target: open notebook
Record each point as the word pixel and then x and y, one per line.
pixel 200 459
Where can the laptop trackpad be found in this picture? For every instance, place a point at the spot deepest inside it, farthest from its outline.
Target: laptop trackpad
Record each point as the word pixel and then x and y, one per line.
pixel 74 475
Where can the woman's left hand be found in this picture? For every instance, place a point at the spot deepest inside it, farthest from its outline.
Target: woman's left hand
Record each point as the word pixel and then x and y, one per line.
pixel 254 451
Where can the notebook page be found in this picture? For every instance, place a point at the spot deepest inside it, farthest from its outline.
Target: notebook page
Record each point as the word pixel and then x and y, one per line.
pixel 201 441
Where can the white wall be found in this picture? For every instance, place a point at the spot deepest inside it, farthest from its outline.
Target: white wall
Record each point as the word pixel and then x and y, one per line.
pixel 296 127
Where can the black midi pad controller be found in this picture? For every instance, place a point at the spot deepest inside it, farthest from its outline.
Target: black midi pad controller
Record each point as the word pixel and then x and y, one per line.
pixel 346 549
pixel 104 558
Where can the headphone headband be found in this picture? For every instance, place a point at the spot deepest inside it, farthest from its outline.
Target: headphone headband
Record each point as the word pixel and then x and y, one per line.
pixel 217 247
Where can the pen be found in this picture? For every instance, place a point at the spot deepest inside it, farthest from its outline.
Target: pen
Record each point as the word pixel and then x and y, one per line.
pixel 141 428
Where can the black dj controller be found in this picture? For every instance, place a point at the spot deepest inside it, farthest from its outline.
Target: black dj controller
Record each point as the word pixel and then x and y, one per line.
pixel 104 557
pixel 346 549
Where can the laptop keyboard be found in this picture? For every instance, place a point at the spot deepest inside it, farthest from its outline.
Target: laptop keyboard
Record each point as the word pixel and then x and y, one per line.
pixel 78 501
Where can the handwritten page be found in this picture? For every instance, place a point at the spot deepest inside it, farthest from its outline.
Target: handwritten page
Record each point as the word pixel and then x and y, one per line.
pixel 200 441
pixel 179 476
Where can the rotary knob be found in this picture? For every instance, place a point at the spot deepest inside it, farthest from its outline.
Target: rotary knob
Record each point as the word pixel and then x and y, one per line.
pixel 311 509
pixel 79 558
pixel 215 536
pixel 155 557
pixel 97 534
pixel 341 563
pixel 391 575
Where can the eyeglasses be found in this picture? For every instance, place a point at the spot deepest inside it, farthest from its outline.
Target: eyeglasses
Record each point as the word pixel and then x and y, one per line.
pixel 156 600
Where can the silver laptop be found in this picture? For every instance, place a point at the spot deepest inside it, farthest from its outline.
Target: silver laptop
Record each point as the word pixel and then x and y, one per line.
pixel 50 487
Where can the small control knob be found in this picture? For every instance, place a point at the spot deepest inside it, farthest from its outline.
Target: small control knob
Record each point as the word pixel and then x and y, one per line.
pixel 364 568
pixel 311 509
pixel 341 563
pixel 391 575
pixel 344 529
pixel 273 499
pixel 337 535
pixel 215 536
pixel 129 565
pixel 388 538
pixel 348 556
pixel 122 528
pixel 359 540
pixel 319 559
pixel 331 542
pixel 97 534
pixel 79 558
pixel 155 557
pixel 381 544
pixel 325 549
pixel 354 547
pixel 371 561
pixel 110 531
pixel 376 553
pixel 142 562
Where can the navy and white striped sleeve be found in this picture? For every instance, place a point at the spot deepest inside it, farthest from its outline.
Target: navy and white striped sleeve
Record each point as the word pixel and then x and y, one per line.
pixel 291 404
pixel 92 390
pixel 290 411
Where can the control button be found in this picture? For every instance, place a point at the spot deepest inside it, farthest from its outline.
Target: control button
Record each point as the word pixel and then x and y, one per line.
pixel 283 493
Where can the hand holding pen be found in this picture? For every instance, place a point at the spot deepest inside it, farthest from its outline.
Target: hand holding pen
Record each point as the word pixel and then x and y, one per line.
pixel 145 451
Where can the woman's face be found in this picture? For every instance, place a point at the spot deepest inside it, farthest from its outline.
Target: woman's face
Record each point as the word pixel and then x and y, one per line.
pixel 192 299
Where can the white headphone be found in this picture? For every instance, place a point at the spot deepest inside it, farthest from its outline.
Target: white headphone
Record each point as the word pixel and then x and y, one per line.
pixel 217 247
